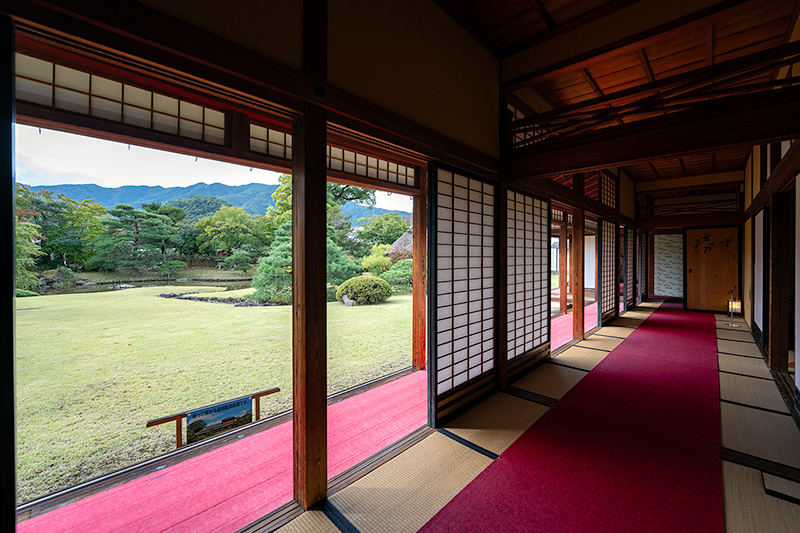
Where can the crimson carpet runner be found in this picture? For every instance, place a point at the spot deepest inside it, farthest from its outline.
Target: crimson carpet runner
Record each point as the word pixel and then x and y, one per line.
pixel 634 446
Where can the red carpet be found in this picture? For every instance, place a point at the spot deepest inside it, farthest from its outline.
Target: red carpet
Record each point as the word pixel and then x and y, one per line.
pixel 561 326
pixel 634 446
pixel 228 488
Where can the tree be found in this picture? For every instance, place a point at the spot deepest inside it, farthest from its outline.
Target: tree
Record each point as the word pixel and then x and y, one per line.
pixel 383 229
pixel 198 206
pixel 377 262
pixel 170 268
pixel 229 228
pixel 241 258
pixel 27 233
pixel 273 280
pixel 133 238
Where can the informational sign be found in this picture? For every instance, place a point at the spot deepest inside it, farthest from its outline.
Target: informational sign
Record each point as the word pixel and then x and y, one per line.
pixel 218 418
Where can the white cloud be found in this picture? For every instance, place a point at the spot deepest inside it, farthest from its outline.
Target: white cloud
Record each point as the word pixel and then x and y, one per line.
pixel 47 157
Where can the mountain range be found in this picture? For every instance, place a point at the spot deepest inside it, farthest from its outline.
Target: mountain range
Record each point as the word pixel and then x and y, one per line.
pixel 254 198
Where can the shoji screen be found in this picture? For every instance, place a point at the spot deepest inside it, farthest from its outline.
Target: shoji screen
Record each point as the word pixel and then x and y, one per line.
pixel 608 284
pixel 528 272
pixel 630 255
pixel 644 272
pixel 758 272
pixel 464 271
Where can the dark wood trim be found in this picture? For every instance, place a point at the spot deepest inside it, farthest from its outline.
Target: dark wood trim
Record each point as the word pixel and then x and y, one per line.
pixel 431 277
pixel 309 307
pixel 172 47
pixel 573 197
pixel 501 279
pixel 8 483
pixel 563 270
pixel 727 122
pixel 419 277
pixel 577 273
pixel 781 278
pixel 780 179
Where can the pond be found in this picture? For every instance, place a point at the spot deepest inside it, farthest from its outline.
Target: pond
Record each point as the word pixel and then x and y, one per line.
pixel 73 287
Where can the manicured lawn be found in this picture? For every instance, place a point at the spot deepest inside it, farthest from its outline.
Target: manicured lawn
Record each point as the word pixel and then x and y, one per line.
pixel 91 369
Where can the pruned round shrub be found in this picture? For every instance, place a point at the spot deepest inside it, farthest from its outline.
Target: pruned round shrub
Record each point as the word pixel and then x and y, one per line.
pixel 364 290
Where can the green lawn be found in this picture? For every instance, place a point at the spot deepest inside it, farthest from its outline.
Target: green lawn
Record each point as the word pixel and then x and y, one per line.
pixel 91 369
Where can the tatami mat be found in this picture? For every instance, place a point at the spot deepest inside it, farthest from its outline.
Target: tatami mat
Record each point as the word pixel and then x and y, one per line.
pixel 552 381
pixel 637 314
pixel 600 343
pixel 497 422
pixel 403 494
pixel 580 357
pixel 744 365
pixel 615 331
pixel 310 522
pixel 738 348
pixel 763 434
pixel 650 305
pixel 751 391
pixel 739 324
pixel 748 508
pixel 782 487
pixel 735 335
pixel 627 322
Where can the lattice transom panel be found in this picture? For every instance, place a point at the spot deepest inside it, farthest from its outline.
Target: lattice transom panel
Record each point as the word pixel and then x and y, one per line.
pixel 465 292
pixel 527 272
pixel 607 262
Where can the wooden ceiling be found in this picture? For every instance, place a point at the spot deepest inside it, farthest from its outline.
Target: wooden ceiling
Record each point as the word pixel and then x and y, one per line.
pixel 510 26
pixel 613 81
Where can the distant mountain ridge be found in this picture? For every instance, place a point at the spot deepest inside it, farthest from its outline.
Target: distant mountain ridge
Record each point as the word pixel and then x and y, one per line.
pixel 254 198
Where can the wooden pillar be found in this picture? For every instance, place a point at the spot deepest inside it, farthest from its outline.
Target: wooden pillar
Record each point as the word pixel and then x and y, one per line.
pixel 781 268
pixel 501 276
pixel 420 254
pixel 8 438
pixel 309 273
pixel 617 268
pixel 563 270
pixel 577 273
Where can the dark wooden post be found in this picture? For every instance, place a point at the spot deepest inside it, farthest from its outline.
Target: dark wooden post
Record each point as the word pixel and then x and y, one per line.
pixel 563 270
pixel 420 254
pixel 309 271
pixel 309 319
pixel 8 440
pixel 577 273
pixel 501 294
pixel 781 263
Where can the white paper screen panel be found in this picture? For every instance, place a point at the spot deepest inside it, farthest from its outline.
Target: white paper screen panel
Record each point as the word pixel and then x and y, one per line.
pixel 607 262
pixel 48 84
pixel 465 292
pixel 629 262
pixel 527 270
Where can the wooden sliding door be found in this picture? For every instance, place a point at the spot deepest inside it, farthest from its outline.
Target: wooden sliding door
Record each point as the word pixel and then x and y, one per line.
pixel 712 267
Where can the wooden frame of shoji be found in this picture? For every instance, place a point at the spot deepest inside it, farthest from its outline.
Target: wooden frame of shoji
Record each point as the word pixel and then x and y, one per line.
pixel 527 273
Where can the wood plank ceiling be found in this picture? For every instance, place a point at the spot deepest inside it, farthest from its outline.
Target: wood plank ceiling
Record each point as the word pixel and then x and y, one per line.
pixel 735 30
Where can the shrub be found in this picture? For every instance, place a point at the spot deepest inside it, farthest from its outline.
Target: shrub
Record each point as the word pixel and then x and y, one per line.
pixel 24 292
pixel 400 276
pixel 364 290
pixel 378 262
pixel 331 292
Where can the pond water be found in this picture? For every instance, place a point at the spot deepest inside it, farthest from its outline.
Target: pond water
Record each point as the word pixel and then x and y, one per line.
pixel 70 287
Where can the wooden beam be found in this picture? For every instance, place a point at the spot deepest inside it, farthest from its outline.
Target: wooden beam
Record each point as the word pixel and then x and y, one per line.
pixel 710 31
pixel 577 273
pixel 544 14
pixel 683 167
pixel 645 62
pixel 730 122
pixel 419 276
pixel 8 439
pixel 780 179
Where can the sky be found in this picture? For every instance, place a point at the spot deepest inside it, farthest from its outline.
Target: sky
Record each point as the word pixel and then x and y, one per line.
pixel 48 157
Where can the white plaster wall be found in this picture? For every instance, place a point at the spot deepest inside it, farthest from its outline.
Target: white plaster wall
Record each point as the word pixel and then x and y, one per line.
pixel 589 253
